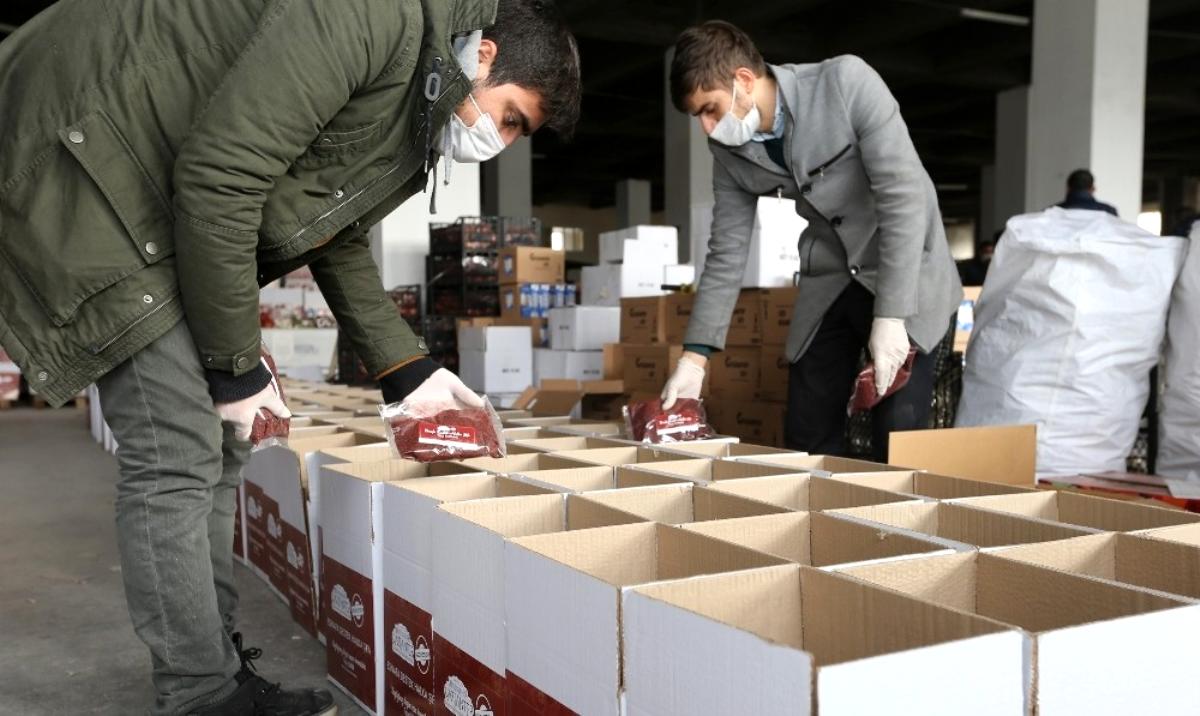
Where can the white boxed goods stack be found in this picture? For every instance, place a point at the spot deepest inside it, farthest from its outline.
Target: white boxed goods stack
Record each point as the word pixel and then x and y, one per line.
pixel 584 328
pixel 496 359
pixel 567 365
pixel 631 264
pixel 774 244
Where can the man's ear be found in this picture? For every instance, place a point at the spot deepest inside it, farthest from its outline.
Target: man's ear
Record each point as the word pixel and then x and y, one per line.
pixel 487 55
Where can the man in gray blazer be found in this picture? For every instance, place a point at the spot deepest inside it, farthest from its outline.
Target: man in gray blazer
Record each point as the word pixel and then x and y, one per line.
pixel 875 267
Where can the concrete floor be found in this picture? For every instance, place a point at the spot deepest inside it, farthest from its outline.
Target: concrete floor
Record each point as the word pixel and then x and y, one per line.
pixel 66 643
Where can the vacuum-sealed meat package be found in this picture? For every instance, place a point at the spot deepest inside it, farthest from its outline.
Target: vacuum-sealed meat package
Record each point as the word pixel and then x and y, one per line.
pixel 648 422
pixel 865 395
pixel 431 432
pixel 270 429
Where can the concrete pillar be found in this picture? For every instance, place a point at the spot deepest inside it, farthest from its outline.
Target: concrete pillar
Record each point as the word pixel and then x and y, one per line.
pixel 985 225
pixel 1087 99
pixel 1012 136
pixel 633 202
pixel 508 181
pixel 687 178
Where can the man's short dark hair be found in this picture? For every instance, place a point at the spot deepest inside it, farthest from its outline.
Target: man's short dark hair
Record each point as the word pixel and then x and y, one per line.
pixel 1081 180
pixel 535 50
pixel 707 55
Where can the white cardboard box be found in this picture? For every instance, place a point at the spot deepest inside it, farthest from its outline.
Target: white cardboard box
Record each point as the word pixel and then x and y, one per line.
pixel 468 588
pixel 562 600
pixel 567 365
pixel 658 244
pixel 548 363
pixel 774 244
pixel 496 372
pixel 679 275
pixel 1098 647
pixel 607 284
pixel 785 639
pixel 584 328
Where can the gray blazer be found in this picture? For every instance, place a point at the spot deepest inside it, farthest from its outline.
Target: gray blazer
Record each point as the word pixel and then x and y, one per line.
pixel 872 210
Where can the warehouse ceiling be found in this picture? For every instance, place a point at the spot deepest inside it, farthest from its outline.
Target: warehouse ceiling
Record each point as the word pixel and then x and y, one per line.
pixel 944 65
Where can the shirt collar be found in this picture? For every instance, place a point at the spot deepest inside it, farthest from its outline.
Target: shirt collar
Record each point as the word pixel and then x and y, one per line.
pixel 780 121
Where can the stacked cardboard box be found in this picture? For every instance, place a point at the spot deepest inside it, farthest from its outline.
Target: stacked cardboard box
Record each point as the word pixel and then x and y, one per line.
pixel 632 264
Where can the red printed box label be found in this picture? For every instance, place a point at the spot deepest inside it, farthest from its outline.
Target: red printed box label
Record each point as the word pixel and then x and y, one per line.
pixel 455 436
pixel 276 552
pixel 409 677
pixel 349 628
pixel 299 589
pixel 675 423
pixel 258 508
pixel 466 686
pixel 525 698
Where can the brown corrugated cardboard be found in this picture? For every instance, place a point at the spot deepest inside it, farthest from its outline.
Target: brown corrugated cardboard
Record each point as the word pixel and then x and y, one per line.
pixel 614 362
pixel 927 484
pixel 598 477
pixel 620 455
pixel 528 264
pixel 681 503
pixel 795 640
pixel 750 420
pixel 568 442
pixel 725 449
pixel 1084 510
pixel 703 470
pixel 587 427
pixel 745 325
pixel 677 311
pixel 530 433
pixel 824 464
pixel 773 374
pixel 643 320
pixel 776 310
pixel 504 465
pixel 647 367
pixel 802 492
pixel 735 373
pixel 571 583
pixel 1186 534
pixel 469 586
pixel 957 522
pixel 1005 454
pixel 1098 647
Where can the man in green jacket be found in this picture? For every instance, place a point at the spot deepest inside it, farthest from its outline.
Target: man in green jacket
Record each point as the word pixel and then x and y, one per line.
pixel 160 160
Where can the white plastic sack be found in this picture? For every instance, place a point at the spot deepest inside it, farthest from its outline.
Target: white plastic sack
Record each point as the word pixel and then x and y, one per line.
pixel 1069 324
pixel 1179 417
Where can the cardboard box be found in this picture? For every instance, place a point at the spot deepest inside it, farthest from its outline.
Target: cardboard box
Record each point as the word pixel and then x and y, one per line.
pixel 505 465
pixel 404 644
pixel 773 256
pixel 962 524
pixel 745 325
pixel 607 284
pixel 1135 560
pixel 597 477
pixel 568 442
pixel 584 328
pixel 548 364
pixel 965 321
pixel 619 455
pixel 591 429
pixel 529 264
pixel 776 306
pixel 1095 647
pixel 496 371
pixel 682 503
pixel 824 465
pixel 1005 454
pixel 570 584
pixel 927 484
pixel 614 361
pixel 1097 513
pixel 702 470
pixel 774 372
pixel 647 367
pixel 723 449
pixel 735 374
pixel 820 540
pixel 796 640
pixel 803 492
pixel 643 320
pixel 755 421
pixel 679 275
pixel 677 311
pixel 469 582
pixel 584 366
pixel 526 433
pixel 1185 534
pixel 649 244
pixel 539 329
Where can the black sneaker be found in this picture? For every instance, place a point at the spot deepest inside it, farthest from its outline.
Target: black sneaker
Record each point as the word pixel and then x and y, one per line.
pixel 255 696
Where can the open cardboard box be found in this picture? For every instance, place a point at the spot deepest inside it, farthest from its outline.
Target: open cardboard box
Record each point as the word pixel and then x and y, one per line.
pixel 804 492
pixel 682 503
pixel 598 477
pixel 1185 534
pixel 1097 647
pixel 704 470
pixel 1139 561
pixel 562 601
pixel 823 465
pixel 1084 510
pixel 927 484
pixel 962 524
pixel 281 506
pixel 818 539
pixel 567 442
pixel 468 589
pixel 369 426
pixel 523 462
pixel 725 450
pixel 530 433
pixel 798 640
pixel 627 454
pixel 1003 453
pixel 603 430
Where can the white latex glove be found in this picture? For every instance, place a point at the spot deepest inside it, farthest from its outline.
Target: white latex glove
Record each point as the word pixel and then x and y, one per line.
pixel 242 413
pixel 889 349
pixel 686 381
pixel 443 387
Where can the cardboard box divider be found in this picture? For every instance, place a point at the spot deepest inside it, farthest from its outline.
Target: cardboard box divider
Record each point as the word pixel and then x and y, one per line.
pixel 703 470
pixel 588 428
pixel 1186 534
pixel 1003 453
pixel 1092 639
pixel 1097 513
pixel 598 477
pixel 927 484
pixel 571 584
pixel 963 524
pixel 804 492
pixel 504 465
pixel 620 455
pixel 568 442
pixel 824 465
pixel 527 433
pixel 682 503
pixel 723 449
pixel 796 639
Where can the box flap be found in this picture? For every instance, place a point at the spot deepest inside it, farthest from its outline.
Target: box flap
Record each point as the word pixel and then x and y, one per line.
pixel 1006 454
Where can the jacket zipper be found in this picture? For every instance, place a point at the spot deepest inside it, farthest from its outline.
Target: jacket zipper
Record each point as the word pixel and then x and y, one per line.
pixel 821 169
pixel 97 350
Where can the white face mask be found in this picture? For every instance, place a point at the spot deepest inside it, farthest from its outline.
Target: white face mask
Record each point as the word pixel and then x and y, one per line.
pixel 477 143
pixel 734 132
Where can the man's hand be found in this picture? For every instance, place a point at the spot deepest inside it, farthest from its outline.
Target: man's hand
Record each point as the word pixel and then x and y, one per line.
pixel 889 348
pixel 443 387
pixel 687 380
pixel 242 412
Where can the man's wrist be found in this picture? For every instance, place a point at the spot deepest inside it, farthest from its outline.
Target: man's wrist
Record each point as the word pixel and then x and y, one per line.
pixel 225 387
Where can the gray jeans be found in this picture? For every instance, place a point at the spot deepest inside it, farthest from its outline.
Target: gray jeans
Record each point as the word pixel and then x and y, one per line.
pixel 180 468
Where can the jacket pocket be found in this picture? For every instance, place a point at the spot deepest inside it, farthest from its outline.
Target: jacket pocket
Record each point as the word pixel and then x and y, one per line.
pixel 334 143
pixel 69 234
pixel 825 166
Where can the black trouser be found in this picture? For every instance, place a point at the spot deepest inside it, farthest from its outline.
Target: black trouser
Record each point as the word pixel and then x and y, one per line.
pixel 820 383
